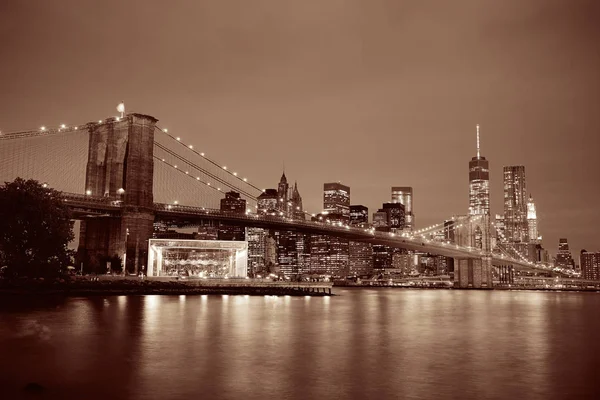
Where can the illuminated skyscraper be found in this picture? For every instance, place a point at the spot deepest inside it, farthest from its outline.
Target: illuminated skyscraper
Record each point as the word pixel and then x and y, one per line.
pixel 590 265
pixel 563 257
pixel 336 199
pixel 515 204
pixel 232 203
pixel 360 254
pixel 404 196
pixel 532 221
pixel 479 183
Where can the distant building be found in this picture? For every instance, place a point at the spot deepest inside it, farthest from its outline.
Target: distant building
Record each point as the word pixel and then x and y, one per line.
pixel 359 215
pixel 515 204
pixel 360 254
pixel 382 258
pixel 532 221
pixel 500 228
pixel 395 216
pixel 479 183
pixel 404 196
pixel 232 203
pixel 590 265
pixel 336 199
pixel 380 221
pixel 563 257
pixel 268 202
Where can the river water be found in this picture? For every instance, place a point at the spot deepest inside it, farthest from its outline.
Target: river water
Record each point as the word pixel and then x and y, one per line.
pixel 363 344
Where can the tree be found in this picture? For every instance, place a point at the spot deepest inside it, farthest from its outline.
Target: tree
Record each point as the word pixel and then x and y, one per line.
pixel 35 229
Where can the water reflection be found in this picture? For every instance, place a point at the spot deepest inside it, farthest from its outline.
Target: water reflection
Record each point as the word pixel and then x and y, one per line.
pixel 384 343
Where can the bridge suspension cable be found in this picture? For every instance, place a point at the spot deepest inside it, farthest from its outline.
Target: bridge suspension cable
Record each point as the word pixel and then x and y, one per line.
pixel 190 147
pixel 198 168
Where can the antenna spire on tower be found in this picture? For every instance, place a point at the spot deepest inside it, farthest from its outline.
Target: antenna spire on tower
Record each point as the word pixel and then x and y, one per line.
pixel 478 154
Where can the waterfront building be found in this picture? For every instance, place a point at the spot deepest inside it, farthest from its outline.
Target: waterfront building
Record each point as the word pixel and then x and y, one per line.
pixel 563 257
pixel 404 196
pixel 590 265
pixel 336 199
pixel 382 258
pixel 479 183
pixel 515 204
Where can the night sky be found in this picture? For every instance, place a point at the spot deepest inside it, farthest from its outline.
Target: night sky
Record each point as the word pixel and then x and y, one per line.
pixel 372 93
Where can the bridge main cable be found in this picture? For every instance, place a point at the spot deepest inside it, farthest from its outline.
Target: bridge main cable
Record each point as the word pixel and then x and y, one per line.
pixel 191 148
pixel 202 170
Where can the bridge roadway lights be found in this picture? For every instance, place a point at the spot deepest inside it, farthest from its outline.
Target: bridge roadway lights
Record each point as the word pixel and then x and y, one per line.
pixel 120 163
pixel 473 273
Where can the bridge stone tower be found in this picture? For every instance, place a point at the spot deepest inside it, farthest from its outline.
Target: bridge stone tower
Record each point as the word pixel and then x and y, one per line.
pixel 474 232
pixel 120 166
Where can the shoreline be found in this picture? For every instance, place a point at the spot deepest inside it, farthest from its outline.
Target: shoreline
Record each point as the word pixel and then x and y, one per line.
pixel 131 287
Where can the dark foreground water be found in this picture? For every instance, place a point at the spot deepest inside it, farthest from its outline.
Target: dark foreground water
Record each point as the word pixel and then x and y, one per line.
pixel 363 344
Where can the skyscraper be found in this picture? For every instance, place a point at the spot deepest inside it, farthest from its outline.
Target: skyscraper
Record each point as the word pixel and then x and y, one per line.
pixel 336 199
pixel 360 254
pixel 590 265
pixel 532 221
pixel 282 193
pixel 404 196
pixel 479 183
pixel 563 257
pixel 515 204
pixel 232 203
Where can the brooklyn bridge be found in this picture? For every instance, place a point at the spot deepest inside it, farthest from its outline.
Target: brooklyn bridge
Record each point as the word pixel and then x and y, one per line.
pixel 121 176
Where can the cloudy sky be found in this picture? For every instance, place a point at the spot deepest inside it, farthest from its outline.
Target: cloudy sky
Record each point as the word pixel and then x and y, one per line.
pixel 372 93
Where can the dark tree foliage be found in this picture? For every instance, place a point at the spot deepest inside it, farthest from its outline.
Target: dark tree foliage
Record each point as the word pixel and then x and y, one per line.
pixel 35 229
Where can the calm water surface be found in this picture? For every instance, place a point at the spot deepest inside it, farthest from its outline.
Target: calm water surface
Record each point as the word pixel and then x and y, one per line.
pixel 363 344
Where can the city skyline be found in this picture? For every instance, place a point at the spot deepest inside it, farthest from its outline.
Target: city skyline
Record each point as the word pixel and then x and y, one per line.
pixel 383 121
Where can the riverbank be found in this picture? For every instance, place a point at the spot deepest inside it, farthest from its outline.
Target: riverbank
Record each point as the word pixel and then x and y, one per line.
pixel 116 286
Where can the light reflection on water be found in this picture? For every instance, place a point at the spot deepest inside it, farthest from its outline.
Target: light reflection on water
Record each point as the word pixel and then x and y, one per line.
pixel 365 343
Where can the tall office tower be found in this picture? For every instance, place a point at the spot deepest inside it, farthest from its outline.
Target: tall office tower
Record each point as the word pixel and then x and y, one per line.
pixel 532 221
pixel 515 204
pixel 336 199
pixel 396 216
pixel 282 193
pixel 360 254
pixel 479 183
pixel 563 257
pixel 257 246
pixel 590 265
pixel 232 203
pixel 404 196
pixel 382 258
pixel 296 203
